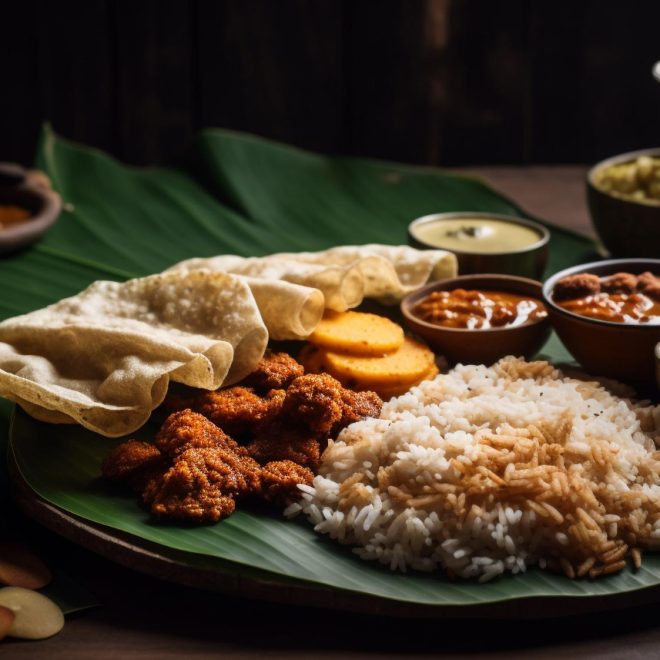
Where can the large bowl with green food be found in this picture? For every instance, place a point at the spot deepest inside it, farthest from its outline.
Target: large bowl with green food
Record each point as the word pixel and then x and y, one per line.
pixel 624 202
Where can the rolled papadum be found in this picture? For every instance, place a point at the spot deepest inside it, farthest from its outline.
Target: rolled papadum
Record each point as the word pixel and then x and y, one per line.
pixel 344 275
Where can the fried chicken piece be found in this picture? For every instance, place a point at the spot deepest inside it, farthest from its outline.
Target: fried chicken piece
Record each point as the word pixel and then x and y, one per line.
pixel 279 482
pixel 202 506
pixel 282 444
pixel 187 429
pixel 130 458
pixel 619 283
pixel 576 286
pixel 319 403
pixel 202 484
pixel 275 371
pixel 195 471
pixel 649 285
pixel 237 410
pixel 314 402
pixel 356 406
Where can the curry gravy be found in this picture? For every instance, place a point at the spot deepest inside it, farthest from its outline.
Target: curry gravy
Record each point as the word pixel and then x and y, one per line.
pixel 475 309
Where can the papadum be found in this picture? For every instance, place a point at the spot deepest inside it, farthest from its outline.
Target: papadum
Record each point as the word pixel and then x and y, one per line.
pixel 284 284
pixel 104 358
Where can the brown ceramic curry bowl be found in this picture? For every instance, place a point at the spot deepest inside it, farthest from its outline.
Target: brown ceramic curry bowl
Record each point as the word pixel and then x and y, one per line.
pixel 30 190
pixel 627 227
pixel 480 346
pixel 623 351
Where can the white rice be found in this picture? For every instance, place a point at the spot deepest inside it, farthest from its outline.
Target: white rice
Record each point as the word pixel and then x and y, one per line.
pixel 433 484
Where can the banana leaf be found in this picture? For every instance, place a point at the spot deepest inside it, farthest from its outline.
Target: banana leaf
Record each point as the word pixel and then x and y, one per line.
pixel 62 464
pixel 234 193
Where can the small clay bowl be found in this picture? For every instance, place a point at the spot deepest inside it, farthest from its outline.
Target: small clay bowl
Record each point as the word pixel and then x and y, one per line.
pixel 479 346
pixel 526 262
pixel 28 189
pixel 627 227
pixel 624 351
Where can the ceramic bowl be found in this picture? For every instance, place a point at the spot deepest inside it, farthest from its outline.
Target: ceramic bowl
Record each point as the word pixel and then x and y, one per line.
pixel 604 348
pixel 481 346
pixel 528 262
pixel 30 190
pixel 627 228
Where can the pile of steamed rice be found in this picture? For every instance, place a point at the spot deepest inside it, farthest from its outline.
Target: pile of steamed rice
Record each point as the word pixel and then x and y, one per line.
pixel 486 470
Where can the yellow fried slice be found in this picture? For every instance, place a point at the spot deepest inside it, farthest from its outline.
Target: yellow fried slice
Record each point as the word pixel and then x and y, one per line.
pixel 404 366
pixel 357 332
pixel 386 393
pixel 314 360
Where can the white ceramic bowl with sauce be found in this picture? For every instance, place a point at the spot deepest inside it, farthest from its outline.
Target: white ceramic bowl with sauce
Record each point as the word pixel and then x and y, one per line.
pixel 485 242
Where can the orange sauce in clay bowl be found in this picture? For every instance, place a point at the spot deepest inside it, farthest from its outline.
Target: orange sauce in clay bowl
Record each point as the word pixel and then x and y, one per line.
pixel 477 319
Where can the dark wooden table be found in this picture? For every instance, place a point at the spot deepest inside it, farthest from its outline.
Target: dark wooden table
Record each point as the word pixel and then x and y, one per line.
pixel 144 618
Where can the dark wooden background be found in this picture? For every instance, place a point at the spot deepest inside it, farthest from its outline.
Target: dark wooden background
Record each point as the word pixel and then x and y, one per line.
pixel 447 82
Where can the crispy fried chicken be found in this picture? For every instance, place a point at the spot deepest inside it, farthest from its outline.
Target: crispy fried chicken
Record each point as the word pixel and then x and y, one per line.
pixel 134 463
pixel 321 405
pixel 356 406
pixel 279 444
pixel 316 406
pixel 202 484
pixel 195 470
pixel 275 371
pixel 186 429
pixel 314 402
pixel 280 479
pixel 128 458
pixel 238 410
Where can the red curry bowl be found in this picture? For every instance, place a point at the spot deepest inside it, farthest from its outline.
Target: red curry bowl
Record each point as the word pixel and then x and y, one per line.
pixel 479 346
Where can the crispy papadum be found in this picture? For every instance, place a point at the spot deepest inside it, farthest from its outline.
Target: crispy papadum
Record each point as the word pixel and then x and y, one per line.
pixel 104 358
pixel 344 275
